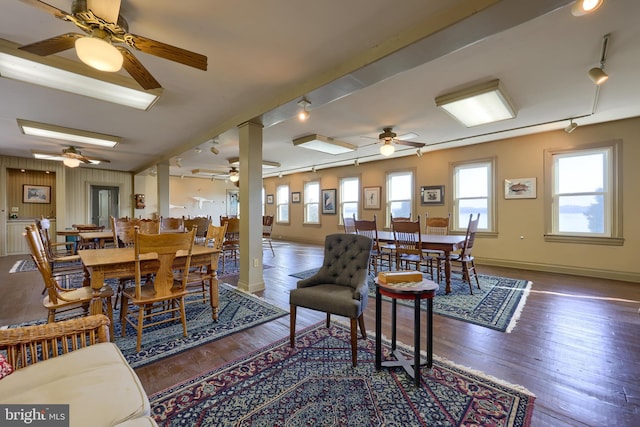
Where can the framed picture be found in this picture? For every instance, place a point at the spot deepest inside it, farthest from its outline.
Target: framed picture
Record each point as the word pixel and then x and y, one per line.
pixel 269 199
pixel 432 195
pixel 371 197
pixel 329 201
pixel 36 193
pixel 295 197
pixel 520 188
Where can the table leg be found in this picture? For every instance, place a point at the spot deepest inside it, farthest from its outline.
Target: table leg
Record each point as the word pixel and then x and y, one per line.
pixel 214 295
pixel 416 342
pixel 378 330
pixel 429 332
pixel 447 271
pixel 97 281
pixel 393 324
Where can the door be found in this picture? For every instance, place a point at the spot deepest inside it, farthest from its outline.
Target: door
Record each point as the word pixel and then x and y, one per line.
pixel 105 202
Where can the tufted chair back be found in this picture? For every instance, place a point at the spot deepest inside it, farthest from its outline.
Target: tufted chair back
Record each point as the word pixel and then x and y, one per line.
pixel 340 286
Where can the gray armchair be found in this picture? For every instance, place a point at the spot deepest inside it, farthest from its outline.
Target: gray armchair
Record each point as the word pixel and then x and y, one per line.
pixel 339 287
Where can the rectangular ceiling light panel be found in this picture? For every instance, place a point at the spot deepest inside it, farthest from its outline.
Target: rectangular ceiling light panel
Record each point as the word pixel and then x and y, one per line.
pixel 324 144
pixel 62 74
pixel 67 134
pixel 478 105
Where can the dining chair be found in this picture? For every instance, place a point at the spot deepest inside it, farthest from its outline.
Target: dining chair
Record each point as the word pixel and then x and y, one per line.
pixel 202 224
pixel 160 300
pixel 200 277
pixel 408 246
pixel 171 225
pixel 464 258
pixel 64 264
pixel 339 287
pixel 349 225
pixel 59 300
pixel 438 226
pixel 369 228
pixel 267 229
pixel 231 244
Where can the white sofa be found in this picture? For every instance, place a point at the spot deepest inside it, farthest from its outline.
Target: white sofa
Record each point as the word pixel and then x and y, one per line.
pixel 95 379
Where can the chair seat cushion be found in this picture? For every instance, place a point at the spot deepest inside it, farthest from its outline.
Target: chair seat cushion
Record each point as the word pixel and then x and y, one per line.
pixel 97 382
pixel 334 299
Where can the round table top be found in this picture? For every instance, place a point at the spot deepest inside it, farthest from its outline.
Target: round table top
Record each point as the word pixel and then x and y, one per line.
pixel 408 287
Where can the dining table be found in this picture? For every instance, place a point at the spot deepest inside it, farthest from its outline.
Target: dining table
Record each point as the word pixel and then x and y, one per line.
pixel 116 263
pixel 445 243
pixel 101 237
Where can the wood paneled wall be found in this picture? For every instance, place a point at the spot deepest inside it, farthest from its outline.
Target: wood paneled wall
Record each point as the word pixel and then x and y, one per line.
pixel 16 179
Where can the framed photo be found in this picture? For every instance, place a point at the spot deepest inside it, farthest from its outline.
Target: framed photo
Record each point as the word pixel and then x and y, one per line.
pixel 520 188
pixel 371 197
pixel 329 201
pixel 295 197
pixel 269 199
pixel 36 193
pixel 432 195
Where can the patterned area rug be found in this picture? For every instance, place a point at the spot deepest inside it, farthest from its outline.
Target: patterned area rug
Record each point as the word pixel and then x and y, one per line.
pixel 314 384
pixel 237 311
pixel 496 305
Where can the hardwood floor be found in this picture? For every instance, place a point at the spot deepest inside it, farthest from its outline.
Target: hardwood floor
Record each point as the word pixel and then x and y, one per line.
pixel 576 346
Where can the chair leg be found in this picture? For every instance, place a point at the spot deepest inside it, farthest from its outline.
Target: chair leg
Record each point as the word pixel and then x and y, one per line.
pixel 124 306
pixel 183 316
pixel 292 325
pixel 140 325
pixel 475 273
pixel 328 320
pixel 363 330
pixel 109 307
pixel 354 342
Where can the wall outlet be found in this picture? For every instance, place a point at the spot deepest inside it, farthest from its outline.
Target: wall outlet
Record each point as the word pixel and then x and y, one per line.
pixel 256 262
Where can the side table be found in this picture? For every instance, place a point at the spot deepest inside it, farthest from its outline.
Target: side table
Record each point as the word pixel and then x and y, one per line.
pixel 416 291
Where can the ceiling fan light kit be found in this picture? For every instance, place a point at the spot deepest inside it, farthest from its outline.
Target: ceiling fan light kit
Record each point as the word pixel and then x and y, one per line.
pixel 583 7
pixel 387 149
pixel 478 105
pixel 71 163
pixel 99 54
pixel 234 176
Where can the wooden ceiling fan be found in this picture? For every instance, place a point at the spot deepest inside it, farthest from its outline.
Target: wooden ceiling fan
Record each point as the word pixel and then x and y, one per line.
pixel 388 138
pixel 106 31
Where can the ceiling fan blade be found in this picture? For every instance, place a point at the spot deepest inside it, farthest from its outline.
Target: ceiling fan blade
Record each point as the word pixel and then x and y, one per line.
pixel 52 45
pixel 167 51
pixel 105 9
pixel 137 70
pixel 410 143
pixel 60 14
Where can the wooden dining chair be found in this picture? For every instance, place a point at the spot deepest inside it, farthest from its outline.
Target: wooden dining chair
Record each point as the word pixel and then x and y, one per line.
pixel 378 258
pixel 349 224
pixel 202 224
pixel 267 229
pixel 438 226
pixel 64 264
pixel 408 246
pixel 160 300
pixel 465 258
pixel 171 225
pixel 58 299
pixel 231 244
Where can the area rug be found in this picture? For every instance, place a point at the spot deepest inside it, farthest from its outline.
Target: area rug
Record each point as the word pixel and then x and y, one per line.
pixel 315 384
pixel 496 305
pixel 237 311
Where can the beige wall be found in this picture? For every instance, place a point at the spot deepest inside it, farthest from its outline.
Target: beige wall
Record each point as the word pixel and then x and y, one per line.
pixel 521 157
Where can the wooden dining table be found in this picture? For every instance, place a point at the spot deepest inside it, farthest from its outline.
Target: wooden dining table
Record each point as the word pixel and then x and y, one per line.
pixel 115 263
pixel 101 236
pixel 446 244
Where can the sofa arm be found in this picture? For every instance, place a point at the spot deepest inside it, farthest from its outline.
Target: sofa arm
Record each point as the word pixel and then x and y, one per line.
pixel 28 345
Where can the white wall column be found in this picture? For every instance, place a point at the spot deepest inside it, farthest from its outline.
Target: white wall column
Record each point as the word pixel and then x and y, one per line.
pixel 251 279
pixel 163 188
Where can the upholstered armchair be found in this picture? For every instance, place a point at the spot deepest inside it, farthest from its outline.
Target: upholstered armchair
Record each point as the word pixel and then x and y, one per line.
pixel 340 285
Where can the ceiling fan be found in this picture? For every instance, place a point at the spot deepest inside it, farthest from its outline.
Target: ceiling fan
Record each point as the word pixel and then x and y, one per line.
pixel 102 21
pixel 388 138
pixel 71 157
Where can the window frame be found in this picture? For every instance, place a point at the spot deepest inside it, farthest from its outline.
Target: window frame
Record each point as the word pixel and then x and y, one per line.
pixel 343 199
pixel 460 224
pixel 389 194
pixel 281 203
pixel 306 203
pixel 612 179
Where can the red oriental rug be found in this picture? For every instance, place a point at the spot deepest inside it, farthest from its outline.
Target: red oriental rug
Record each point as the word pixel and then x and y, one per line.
pixel 314 384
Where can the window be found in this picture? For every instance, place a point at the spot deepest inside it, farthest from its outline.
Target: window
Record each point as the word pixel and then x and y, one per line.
pixel 399 195
pixel 312 202
pixel 473 186
pixel 583 190
pixel 349 197
pixel 282 203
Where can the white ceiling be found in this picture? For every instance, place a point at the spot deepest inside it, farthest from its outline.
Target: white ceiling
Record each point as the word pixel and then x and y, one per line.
pixel 347 58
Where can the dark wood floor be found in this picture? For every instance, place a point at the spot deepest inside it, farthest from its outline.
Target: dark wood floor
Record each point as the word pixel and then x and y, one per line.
pixel 576 346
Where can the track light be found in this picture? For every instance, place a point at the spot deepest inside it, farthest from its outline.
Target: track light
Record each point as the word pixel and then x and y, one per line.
pixel 583 7
pixel 572 126
pixel 303 114
pixel 179 162
pixel 387 148
pixel 313 169
pixel 419 152
pixel 356 162
pixel 597 74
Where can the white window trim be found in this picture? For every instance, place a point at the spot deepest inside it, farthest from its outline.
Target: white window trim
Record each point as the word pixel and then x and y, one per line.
pixel 304 203
pixel 460 224
pixel 388 200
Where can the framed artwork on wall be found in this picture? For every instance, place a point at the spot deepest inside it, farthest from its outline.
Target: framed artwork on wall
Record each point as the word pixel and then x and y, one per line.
pixel 329 201
pixel 371 197
pixel 36 193
pixel 432 195
pixel 295 197
pixel 269 199
pixel 520 188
